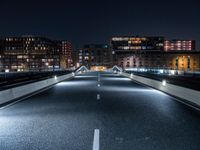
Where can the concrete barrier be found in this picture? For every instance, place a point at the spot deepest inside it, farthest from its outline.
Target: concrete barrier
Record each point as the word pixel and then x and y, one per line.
pixel 187 95
pixel 24 90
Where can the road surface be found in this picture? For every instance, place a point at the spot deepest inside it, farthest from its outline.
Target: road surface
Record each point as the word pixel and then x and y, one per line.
pixel 99 111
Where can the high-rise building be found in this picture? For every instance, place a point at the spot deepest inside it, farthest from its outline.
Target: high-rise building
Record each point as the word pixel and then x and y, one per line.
pixel 94 55
pixel 67 52
pixel 134 43
pixel 154 52
pixel 180 45
pixel 31 53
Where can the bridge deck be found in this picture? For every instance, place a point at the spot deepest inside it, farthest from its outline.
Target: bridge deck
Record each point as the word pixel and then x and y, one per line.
pixel 99 109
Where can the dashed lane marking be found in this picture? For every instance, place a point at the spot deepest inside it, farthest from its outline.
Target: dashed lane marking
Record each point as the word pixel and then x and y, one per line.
pixel 96 139
pixel 98 97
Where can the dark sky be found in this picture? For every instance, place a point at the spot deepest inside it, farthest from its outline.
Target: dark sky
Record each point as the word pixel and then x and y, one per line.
pixel 95 21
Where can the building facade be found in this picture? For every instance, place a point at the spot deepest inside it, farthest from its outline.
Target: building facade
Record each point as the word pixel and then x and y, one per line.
pixel 179 45
pixel 173 60
pixel 133 43
pixel 94 55
pixel 67 52
pixel 155 52
pixel 30 53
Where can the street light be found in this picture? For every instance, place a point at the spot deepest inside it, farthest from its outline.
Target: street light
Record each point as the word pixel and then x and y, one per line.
pixel 164 82
pixel 77 65
pixel 131 75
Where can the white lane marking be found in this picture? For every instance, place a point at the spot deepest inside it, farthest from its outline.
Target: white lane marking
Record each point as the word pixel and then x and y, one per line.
pixel 96 140
pixel 98 97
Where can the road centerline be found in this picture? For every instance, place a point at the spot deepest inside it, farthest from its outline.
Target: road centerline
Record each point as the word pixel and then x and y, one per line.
pixel 96 139
pixel 98 97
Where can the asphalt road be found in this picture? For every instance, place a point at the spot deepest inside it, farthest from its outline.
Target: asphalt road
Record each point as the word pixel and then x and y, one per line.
pixel 103 111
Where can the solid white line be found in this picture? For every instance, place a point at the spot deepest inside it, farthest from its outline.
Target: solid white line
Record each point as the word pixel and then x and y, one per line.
pixel 96 140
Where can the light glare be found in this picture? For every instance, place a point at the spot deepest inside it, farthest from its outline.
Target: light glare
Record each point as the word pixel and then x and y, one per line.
pixel 164 82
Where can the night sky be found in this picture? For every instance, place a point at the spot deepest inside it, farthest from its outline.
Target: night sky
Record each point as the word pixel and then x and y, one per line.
pixel 92 21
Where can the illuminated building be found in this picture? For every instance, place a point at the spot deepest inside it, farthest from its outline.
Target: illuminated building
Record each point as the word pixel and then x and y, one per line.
pixel 94 55
pixel 155 52
pixel 171 45
pixel 67 52
pixel 31 53
pixel 172 60
pixel 1 54
pixel 136 43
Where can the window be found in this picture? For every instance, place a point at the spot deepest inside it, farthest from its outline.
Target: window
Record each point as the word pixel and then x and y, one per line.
pixel 86 58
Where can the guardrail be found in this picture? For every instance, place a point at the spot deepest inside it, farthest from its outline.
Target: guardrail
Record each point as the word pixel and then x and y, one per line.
pixel 164 71
pixel 21 91
pixel 190 82
pixel 12 78
pixel 187 95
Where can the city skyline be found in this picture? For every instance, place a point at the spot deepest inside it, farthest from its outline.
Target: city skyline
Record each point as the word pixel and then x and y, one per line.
pixel 165 39
pixel 98 21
